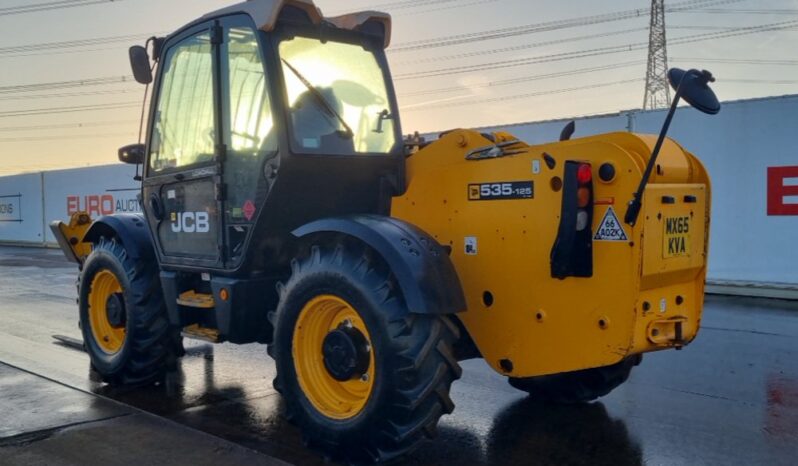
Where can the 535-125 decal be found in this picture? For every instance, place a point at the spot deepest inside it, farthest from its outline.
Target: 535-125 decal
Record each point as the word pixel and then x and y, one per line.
pixel 501 191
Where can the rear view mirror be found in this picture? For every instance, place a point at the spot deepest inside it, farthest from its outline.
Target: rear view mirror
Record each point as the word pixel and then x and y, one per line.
pixel 133 154
pixel 140 63
pixel 694 88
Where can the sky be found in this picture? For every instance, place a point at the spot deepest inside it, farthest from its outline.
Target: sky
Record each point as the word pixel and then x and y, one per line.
pixel 591 67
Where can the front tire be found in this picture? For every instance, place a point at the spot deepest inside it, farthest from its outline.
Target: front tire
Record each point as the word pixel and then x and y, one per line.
pixel 364 379
pixel 123 317
pixel 578 386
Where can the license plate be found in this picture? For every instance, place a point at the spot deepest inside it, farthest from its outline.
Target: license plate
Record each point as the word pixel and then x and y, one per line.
pixel 676 236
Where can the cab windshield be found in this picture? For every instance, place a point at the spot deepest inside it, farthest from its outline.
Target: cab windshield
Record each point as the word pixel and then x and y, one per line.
pixel 338 98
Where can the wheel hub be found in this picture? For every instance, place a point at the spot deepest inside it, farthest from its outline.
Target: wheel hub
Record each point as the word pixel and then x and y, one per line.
pixel 115 310
pixel 346 353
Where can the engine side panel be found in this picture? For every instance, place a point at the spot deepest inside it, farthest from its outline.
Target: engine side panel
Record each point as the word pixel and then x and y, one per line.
pixel 524 321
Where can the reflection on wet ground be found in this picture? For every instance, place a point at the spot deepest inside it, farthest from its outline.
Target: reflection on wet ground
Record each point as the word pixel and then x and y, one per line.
pixel 730 398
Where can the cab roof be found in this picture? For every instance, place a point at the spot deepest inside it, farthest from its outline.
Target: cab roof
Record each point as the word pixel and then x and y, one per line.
pixel 266 12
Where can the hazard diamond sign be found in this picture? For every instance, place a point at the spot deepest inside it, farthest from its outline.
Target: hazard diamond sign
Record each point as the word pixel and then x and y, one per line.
pixel 611 228
pixel 249 210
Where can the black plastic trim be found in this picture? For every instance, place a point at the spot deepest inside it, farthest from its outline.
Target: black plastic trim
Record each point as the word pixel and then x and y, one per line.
pixel 572 252
pixel 423 270
pixel 242 318
pixel 130 229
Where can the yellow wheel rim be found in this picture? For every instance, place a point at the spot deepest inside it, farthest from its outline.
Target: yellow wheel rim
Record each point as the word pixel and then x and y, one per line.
pixel 332 398
pixel 110 338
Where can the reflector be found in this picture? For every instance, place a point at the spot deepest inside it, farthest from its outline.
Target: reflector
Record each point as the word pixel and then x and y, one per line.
pixel 583 197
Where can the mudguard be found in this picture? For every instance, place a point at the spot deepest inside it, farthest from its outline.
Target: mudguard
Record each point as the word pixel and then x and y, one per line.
pixel 422 267
pixel 130 229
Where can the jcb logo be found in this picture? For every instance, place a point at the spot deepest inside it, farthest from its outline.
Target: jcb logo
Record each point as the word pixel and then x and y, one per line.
pixel 191 222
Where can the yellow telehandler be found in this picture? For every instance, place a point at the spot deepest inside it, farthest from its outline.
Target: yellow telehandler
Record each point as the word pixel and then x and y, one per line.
pixel 281 205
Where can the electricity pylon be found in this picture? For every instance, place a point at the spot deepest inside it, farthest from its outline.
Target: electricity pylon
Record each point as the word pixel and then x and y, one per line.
pixel 658 93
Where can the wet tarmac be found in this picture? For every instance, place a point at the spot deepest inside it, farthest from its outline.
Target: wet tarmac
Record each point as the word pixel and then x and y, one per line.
pixel 729 398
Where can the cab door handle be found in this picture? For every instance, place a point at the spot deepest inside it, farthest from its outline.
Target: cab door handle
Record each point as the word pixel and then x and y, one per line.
pixel 156 206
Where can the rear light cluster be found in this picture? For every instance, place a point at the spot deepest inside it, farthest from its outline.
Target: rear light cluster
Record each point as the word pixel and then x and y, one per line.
pixel 584 195
pixel 572 253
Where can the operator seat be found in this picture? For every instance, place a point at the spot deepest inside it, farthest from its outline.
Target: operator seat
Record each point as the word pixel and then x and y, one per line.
pixel 317 131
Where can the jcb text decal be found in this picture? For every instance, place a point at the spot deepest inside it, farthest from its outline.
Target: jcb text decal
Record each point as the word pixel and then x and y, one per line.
pixel 191 222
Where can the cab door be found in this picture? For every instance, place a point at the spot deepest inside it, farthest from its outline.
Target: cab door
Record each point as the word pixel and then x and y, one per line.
pixel 183 191
pixel 249 134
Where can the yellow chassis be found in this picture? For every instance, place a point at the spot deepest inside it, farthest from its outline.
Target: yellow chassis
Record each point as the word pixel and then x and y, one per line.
pixel 527 323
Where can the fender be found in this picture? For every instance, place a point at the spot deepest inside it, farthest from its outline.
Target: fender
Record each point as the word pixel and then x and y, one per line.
pixel 424 272
pixel 130 229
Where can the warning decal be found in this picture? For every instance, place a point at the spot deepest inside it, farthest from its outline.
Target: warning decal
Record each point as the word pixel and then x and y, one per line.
pixel 610 228
pixel 249 210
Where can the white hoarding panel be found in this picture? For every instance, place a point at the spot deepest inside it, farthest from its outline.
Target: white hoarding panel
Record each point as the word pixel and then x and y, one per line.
pixel 99 191
pixel 21 208
pixel 750 152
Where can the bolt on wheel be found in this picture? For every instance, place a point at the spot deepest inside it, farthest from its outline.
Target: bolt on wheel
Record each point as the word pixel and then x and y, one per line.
pixel 107 312
pixel 333 357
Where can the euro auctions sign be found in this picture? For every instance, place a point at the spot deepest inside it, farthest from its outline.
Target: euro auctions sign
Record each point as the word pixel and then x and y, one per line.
pixel 121 201
pixel 782 191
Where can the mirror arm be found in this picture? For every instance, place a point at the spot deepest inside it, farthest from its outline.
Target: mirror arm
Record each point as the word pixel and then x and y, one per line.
pixel 382 116
pixel 633 208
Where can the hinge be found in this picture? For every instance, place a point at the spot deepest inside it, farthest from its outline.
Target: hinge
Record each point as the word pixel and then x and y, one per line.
pixel 221 192
pixel 217 35
pixel 221 153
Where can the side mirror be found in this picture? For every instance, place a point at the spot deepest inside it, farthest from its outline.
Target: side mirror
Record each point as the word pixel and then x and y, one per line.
pixel 133 154
pixel 694 88
pixel 140 63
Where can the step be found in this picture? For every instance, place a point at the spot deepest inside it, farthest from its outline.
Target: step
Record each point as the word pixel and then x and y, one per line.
pixel 201 333
pixel 194 299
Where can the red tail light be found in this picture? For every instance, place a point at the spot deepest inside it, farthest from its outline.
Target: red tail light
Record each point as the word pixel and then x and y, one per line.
pixel 572 252
pixel 584 174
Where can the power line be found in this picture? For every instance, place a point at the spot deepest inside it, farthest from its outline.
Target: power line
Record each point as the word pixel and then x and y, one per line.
pixel 782 11
pixel 517 48
pixel 48 6
pixel 439 104
pixel 67 137
pixel 93 124
pixel 593 52
pixel 762 81
pixel 70 94
pixel 593 69
pixel 65 84
pixel 524 79
pixel 741 61
pixel 400 5
pixel 495 51
pixel 60 45
pixel 503 33
pixel 72 109
pixel 450 7
pixel 62 52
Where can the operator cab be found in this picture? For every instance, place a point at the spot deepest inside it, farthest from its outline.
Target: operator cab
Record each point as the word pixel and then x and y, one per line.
pixel 264 116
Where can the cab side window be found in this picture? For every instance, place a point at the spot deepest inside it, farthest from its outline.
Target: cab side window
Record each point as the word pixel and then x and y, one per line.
pixel 184 129
pixel 250 137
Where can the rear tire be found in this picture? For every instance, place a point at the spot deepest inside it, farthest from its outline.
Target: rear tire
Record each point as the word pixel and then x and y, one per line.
pixel 412 364
pixel 123 317
pixel 579 386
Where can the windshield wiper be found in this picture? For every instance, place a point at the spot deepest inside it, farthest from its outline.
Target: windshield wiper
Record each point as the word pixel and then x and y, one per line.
pixel 320 98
